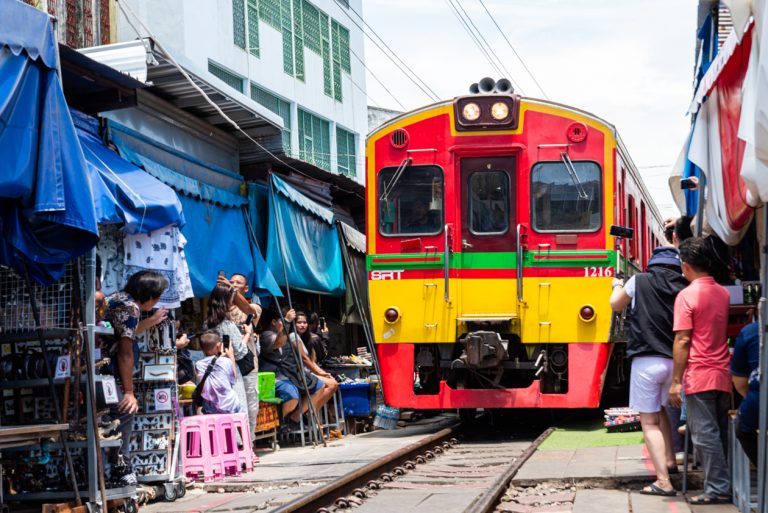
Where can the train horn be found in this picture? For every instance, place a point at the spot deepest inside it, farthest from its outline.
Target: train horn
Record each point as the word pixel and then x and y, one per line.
pixel 473 89
pixel 503 86
pixel 486 85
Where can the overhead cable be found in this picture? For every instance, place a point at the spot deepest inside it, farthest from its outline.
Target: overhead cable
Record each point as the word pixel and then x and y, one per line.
pixel 394 57
pixel 493 19
pixel 490 48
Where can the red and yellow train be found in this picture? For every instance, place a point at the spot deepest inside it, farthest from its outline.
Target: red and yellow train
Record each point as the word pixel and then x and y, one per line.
pixel 490 257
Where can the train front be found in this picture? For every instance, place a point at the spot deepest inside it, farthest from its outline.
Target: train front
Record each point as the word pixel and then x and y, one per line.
pixel 489 257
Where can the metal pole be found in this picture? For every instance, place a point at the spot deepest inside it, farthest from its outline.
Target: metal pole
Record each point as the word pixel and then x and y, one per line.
pixel 313 417
pixel 762 459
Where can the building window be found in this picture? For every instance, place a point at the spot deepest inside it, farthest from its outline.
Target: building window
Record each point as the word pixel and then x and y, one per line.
pixel 277 105
pixel 238 22
pixel 302 25
pixel 345 152
pixel 228 77
pixel 314 140
pixel 253 27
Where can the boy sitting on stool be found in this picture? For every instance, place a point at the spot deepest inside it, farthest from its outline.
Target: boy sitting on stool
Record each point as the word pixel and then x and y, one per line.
pixel 217 389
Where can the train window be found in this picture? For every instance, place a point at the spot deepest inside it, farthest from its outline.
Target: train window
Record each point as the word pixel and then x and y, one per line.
pixel 488 202
pixel 410 200
pixel 565 198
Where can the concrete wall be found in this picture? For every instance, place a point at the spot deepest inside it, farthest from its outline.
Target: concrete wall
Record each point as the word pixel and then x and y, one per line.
pixel 203 29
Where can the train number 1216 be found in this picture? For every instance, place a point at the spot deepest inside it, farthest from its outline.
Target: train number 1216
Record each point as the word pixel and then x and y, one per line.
pixel 598 272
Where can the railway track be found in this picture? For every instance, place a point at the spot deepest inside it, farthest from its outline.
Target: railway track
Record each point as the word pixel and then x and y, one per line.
pixel 449 471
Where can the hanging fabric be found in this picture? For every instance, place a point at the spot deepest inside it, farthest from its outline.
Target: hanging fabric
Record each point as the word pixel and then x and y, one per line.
pixel 47 216
pixel 304 232
pixel 158 251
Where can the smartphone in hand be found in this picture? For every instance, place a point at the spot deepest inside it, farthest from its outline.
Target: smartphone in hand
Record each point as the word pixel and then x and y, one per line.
pixel 321 323
pixel 222 274
pixel 225 342
pixel 249 319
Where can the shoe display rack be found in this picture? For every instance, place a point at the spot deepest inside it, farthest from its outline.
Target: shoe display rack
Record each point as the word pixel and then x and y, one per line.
pixel 47 436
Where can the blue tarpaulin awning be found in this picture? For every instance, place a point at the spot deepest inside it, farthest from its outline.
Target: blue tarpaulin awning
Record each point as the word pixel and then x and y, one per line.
pixel 123 193
pixel 217 239
pixel 47 217
pixel 304 233
pixel 216 230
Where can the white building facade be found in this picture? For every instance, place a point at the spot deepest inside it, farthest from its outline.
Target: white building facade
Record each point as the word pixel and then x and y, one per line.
pixel 298 58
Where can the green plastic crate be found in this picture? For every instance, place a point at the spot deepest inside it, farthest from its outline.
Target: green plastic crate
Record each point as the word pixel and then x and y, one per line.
pixel 266 385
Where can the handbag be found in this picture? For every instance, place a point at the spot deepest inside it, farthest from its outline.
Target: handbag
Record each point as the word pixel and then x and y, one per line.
pixel 197 395
pixel 246 363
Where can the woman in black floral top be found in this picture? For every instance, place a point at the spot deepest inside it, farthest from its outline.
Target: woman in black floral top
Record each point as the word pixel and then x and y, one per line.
pixel 141 293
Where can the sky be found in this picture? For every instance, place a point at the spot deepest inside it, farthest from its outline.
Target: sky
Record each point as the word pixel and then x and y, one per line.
pixel 628 62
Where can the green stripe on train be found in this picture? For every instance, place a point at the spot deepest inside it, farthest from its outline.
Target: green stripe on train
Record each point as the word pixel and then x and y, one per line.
pixel 493 260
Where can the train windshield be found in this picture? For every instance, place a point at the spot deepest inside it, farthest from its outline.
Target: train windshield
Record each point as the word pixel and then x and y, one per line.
pixel 566 198
pixel 411 200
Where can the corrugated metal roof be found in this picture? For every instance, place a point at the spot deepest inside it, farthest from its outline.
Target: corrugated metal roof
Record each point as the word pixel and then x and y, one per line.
pixel 165 80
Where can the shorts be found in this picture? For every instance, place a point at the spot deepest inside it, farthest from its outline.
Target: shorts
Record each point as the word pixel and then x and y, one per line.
pixel 649 383
pixel 287 391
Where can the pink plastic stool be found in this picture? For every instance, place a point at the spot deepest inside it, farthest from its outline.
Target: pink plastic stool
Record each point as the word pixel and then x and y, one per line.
pixel 226 431
pixel 200 453
pixel 245 454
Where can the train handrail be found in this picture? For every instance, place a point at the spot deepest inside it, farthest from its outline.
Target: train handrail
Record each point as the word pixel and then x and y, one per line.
pixel 519 270
pixel 446 263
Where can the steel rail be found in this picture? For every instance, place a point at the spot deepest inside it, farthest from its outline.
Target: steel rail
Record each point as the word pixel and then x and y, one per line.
pixel 326 495
pixel 487 502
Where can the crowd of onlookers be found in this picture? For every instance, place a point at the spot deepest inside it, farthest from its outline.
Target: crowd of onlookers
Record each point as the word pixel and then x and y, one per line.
pixel 290 345
pixel 680 357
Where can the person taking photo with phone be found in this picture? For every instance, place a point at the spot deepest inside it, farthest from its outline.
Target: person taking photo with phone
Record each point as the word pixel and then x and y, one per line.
pixel 216 376
pixel 220 303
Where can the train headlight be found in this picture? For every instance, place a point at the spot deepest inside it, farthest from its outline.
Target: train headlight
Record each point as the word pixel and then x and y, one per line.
pixel 587 313
pixel 391 315
pixel 471 111
pixel 499 111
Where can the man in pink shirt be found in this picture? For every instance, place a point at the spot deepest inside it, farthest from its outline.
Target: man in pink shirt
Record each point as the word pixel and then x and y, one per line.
pixel 701 366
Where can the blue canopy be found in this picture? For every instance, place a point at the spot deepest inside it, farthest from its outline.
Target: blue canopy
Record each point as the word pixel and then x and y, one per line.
pixel 217 239
pixel 305 234
pixel 123 193
pixel 47 217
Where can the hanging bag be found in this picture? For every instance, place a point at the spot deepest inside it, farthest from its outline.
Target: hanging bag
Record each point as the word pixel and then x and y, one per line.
pixel 246 363
pixel 197 395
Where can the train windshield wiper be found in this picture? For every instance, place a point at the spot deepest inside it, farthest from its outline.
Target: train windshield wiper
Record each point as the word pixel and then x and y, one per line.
pixel 572 171
pixel 388 188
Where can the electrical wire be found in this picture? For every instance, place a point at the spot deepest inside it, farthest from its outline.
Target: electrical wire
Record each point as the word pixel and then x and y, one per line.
pixel 490 48
pixel 493 19
pixel 377 80
pixel 471 34
pixel 413 76
pixel 123 4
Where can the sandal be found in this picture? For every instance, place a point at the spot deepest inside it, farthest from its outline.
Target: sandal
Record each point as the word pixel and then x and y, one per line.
pixel 709 499
pixel 654 489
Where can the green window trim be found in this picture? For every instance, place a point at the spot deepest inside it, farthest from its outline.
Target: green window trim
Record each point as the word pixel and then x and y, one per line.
pixel 253 27
pixel 230 78
pixel 238 22
pixel 346 158
pixel 302 25
pixel 277 105
pixel 314 140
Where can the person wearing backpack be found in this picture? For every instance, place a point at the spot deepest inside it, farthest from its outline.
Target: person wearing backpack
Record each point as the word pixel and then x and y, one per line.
pixel 215 392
